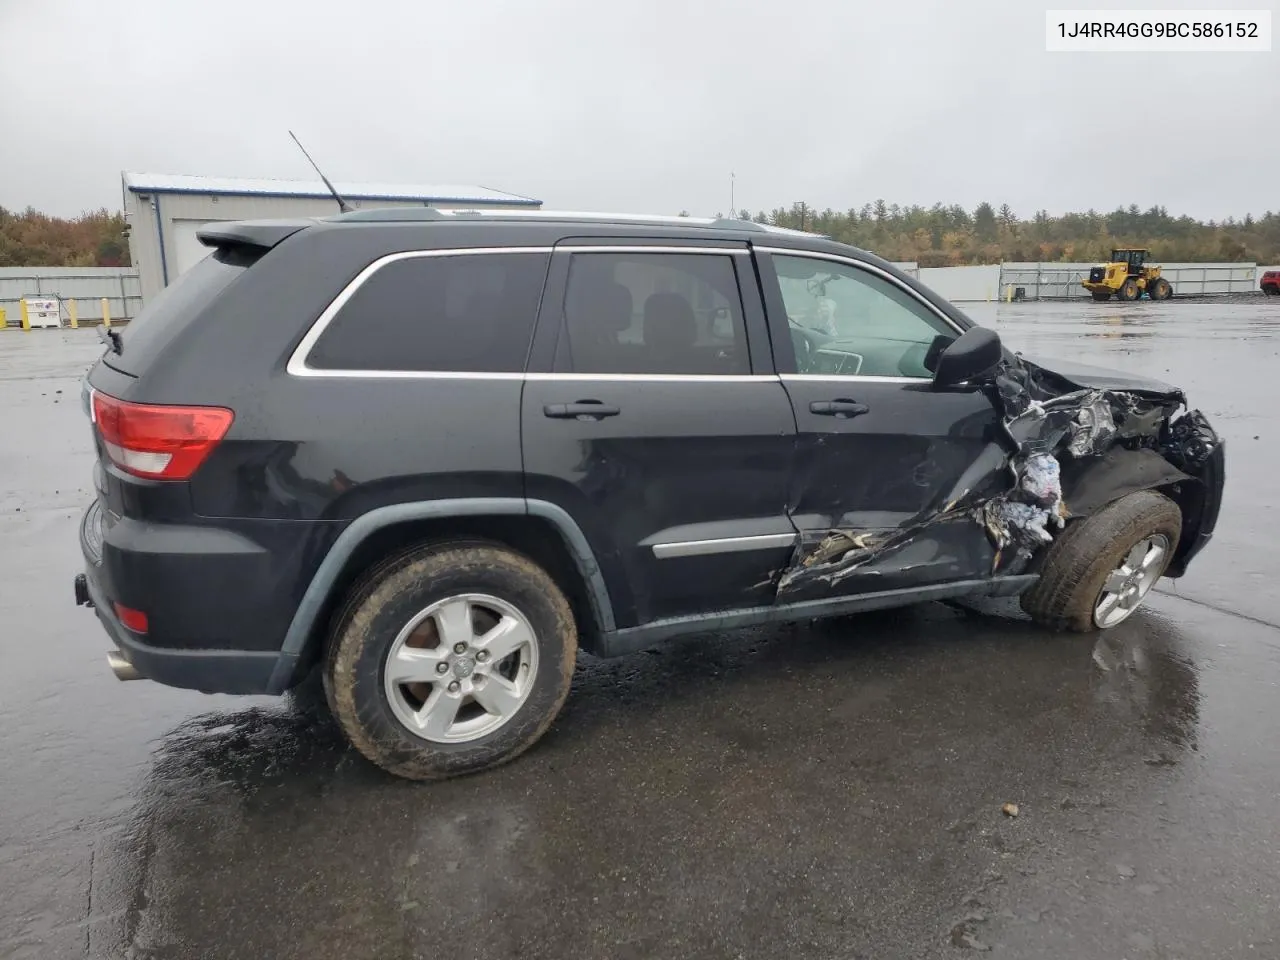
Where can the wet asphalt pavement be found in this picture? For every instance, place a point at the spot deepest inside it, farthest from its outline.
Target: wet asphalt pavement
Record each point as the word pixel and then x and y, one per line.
pixel 828 791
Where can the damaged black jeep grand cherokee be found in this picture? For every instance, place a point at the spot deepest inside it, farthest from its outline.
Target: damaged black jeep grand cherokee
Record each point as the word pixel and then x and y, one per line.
pixel 432 453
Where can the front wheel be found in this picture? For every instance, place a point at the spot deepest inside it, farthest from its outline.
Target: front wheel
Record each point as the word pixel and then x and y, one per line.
pixel 1100 569
pixel 1129 290
pixel 1161 289
pixel 451 659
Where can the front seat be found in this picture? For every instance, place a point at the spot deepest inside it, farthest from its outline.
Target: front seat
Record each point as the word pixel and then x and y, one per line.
pixel 670 332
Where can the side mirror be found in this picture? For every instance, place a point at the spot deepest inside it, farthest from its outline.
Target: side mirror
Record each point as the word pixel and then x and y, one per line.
pixel 975 352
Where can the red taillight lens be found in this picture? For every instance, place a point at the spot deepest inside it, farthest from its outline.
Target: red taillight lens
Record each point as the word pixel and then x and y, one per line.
pixel 159 442
pixel 135 620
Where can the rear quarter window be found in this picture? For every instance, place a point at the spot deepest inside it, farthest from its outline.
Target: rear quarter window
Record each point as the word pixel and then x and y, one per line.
pixel 466 313
pixel 177 306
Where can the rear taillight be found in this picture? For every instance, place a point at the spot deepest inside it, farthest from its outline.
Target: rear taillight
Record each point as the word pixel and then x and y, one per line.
pixel 158 442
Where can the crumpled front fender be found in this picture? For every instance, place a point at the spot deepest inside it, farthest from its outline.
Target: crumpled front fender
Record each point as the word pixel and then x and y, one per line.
pixel 1089 485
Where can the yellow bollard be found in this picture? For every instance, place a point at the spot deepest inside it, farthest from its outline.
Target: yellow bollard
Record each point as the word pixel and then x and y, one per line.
pixel 106 313
pixel 74 311
pixel 1008 293
pixel 26 320
pixel 4 321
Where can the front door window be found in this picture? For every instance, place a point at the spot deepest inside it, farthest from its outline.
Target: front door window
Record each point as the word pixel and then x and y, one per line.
pixel 848 321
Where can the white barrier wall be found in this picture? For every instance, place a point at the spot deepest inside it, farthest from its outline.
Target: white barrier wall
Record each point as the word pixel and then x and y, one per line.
pixel 962 284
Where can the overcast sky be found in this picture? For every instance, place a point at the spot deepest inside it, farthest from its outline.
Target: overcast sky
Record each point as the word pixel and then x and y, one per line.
pixel 632 105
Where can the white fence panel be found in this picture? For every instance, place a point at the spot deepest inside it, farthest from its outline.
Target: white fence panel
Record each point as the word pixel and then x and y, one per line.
pixel 1045 281
pixel 86 286
pixel 1060 281
pixel 1206 279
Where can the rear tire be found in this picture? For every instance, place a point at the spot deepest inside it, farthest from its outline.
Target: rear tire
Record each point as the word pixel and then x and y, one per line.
pixel 1083 565
pixel 482 709
pixel 1128 290
pixel 1101 295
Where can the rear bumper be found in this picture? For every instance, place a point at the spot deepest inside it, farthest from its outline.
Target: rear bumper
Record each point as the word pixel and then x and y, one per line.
pixel 164 655
pixel 210 671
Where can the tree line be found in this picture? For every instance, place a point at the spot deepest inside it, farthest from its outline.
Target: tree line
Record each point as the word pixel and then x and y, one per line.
pixel 34 239
pixel 936 236
pixel 942 236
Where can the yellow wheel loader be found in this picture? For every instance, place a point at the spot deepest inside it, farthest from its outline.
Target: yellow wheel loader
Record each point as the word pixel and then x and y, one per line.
pixel 1127 277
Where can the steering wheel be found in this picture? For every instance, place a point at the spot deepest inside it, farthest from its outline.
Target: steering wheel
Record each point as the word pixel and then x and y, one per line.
pixel 803 347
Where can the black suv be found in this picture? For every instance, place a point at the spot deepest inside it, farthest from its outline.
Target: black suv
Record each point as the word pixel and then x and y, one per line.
pixel 431 453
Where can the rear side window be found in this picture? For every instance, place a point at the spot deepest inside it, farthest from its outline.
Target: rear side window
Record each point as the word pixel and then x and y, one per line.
pixel 465 313
pixel 176 306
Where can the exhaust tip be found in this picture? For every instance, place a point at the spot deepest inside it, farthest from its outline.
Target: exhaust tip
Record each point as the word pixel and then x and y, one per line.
pixel 122 668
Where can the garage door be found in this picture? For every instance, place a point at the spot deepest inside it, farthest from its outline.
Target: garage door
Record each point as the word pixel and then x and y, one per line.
pixel 187 250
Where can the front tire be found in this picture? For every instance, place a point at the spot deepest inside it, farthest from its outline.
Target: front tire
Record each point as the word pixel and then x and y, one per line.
pixel 1161 289
pixel 452 659
pixel 1100 569
pixel 1129 290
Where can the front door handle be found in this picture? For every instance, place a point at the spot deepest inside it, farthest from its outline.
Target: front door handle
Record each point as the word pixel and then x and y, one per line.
pixel 581 410
pixel 843 408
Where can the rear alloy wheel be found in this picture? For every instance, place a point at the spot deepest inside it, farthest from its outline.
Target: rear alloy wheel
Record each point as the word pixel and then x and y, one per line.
pixel 1101 568
pixel 1101 295
pixel 451 659
pixel 461 669
pixel 1129 290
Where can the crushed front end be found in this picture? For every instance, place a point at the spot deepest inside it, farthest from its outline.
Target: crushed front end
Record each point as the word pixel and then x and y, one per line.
pixel 1078 443
pixel 1066 447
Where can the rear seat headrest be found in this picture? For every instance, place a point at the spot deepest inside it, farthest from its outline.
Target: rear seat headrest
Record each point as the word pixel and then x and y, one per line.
pixel 669 322
pixel 598 303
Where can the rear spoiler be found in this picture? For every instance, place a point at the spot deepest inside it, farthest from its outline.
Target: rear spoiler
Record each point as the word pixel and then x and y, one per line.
pixel 262 234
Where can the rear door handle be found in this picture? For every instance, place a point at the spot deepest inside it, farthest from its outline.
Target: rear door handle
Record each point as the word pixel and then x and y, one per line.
pixel 843 408
pixel 581 410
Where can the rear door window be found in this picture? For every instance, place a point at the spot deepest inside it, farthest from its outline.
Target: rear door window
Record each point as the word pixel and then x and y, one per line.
pixel 464 313
pixel 653 313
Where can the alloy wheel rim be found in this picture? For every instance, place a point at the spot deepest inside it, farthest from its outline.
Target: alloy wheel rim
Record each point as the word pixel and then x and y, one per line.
pixel 461 668
pixel 1129 583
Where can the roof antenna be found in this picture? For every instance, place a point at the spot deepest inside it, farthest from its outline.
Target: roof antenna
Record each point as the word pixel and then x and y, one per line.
pixel 342 204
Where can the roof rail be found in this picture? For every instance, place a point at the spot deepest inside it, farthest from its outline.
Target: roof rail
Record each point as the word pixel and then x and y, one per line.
pixel 385 214
pixel 420 214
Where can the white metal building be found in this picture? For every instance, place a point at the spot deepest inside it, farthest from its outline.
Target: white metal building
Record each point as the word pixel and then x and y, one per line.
pixel 164 211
